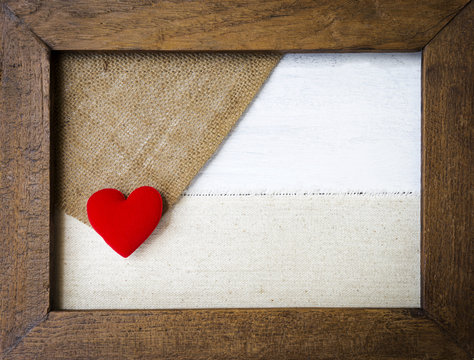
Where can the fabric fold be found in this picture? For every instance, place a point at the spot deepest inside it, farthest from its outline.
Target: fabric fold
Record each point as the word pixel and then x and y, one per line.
pixel 124 120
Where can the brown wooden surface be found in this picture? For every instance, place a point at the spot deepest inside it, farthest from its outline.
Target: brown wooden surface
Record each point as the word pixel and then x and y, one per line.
pixel 24 181
pixel 236 25
pixel 27 330
pixel 448 254
pixel 244 334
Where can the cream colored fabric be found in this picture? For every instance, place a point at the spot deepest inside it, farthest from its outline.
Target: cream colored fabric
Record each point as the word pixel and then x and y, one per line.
pixel 125 120
pixel 252 251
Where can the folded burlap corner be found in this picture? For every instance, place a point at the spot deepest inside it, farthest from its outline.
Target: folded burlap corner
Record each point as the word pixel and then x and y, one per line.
pixel 125 120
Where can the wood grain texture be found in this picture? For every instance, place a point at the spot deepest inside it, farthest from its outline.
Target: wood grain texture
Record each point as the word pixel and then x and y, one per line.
pixel 24 180
pixel 250 25
pixel 283 25
pixel 448 256
pixel 239 334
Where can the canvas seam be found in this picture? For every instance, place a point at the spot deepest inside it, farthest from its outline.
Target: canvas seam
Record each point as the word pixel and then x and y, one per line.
pixel 348 193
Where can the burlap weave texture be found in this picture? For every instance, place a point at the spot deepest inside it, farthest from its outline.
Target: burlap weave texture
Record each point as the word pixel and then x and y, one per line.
pixel 125 120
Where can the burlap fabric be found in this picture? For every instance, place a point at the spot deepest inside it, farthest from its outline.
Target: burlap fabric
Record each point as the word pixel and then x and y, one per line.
pixel 124 120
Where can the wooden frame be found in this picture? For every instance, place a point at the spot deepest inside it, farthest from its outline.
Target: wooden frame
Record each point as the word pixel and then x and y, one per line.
pixel 442 329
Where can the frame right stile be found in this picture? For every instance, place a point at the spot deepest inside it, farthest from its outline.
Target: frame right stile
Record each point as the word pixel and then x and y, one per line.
pixel 447 186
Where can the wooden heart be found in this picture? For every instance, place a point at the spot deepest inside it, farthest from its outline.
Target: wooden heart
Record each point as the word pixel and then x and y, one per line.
pixel 125 223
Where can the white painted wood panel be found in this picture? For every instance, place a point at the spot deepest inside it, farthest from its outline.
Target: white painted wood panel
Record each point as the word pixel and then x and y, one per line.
pixel 326 123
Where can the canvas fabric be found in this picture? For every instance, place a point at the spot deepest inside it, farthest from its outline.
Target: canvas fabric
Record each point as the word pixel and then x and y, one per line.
pixel 252 251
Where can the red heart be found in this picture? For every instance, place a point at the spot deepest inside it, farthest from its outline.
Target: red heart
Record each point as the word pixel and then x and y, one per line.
pixel 125 223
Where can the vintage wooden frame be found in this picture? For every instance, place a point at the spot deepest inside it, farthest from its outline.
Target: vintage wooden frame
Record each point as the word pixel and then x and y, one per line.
pixel 442 328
